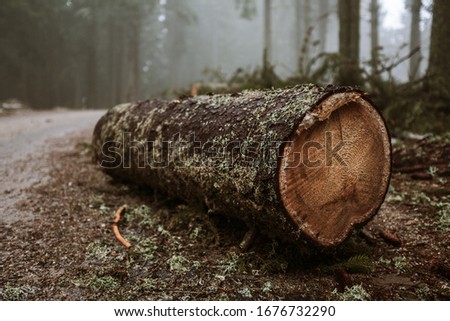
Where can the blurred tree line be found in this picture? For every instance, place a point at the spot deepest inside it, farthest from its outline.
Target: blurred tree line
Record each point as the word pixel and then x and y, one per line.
pixel 97 53
pixel 81 53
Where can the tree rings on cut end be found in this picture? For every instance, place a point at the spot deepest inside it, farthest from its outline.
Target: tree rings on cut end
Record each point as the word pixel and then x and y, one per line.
pixel 334 171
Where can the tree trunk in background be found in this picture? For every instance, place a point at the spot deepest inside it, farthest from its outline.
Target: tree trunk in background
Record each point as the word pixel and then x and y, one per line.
pixel 175 44
pixel 268 73
pixel 299 33
pixel 267 48
pixel 78 89
pixel 307 41
pixel 111 62
pixel 134 70
pixel 119 62
pixel 374 27
pixel 91 66
pixel 304 33
pixel 124 65
pixel 415 40
pixel 323 24
pixel 24 81
pixel 439 66
pixel 301 161
pixel 349 72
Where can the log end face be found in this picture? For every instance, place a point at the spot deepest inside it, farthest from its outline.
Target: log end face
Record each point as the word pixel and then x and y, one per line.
pixel 335 170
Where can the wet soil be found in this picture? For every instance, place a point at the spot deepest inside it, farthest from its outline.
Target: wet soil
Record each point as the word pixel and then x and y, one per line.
pixel 64 247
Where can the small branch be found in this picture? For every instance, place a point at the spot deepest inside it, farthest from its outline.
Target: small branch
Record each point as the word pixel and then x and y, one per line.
pixel 410 169
pixel 118 214
pixel 343 279
pixel 417 168
pixel 115 228
pixel 390 238
pixel 368 236
pixel 422 176
pixel 248 240
pixel 398 62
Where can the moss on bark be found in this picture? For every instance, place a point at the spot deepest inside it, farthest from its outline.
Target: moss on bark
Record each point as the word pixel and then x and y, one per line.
pixel 219 149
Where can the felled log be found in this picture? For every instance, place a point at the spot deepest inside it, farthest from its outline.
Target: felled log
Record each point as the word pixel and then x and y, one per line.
pixel 305 161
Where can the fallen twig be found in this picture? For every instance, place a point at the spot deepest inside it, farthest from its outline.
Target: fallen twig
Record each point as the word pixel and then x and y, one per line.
pixel 390 238
pixel 115 228
pixel 368 236
pixel 118 214
pixel 409 169
pixel 422 176
pixel 343 279
pixel 416 168
pixel 248 239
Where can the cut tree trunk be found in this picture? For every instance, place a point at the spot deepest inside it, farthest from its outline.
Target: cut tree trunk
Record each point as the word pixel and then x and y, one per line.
pixel 302 161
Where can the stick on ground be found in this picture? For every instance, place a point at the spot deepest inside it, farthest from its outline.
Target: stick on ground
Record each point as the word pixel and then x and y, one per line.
pixel 115 228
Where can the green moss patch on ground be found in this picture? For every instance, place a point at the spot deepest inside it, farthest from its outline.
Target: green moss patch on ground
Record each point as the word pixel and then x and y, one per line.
pixel 68 252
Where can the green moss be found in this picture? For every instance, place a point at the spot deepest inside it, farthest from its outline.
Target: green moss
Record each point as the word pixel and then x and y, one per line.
pixel 444 216
pixel 98 250
pixel 103 283
pixel 354 293
pixel 246 293
pixel 267 287
pixel 145 248
pixel 142 214
pixel 179 263
pixel 16 293
pixel 400 263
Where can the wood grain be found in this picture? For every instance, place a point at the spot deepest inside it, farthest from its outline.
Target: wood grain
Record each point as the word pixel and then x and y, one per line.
pixel 327 196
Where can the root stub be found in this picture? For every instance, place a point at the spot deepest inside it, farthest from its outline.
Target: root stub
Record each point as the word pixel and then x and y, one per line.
pixel 332 173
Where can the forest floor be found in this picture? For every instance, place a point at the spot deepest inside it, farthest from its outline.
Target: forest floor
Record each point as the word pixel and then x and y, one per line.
pixel 65 249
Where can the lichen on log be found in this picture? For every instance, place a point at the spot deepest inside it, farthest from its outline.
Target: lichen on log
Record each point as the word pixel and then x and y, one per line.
pixel 244 155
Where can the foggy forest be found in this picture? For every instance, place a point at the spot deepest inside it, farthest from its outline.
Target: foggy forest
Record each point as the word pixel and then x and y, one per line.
pixel 95 54
pixel 198 234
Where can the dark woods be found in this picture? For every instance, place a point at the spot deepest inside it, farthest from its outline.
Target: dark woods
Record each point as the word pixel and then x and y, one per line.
pixel 97 53
pixel 81 53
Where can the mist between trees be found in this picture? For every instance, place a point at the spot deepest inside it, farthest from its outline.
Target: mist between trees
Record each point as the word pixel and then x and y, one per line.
pixel 97 53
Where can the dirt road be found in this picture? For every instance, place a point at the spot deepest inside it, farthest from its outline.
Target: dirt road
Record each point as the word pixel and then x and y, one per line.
pixel 25 140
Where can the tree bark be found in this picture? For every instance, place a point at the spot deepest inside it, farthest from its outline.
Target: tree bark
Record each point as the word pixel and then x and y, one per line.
pixel 349 72
pixel 306 161
pixel 374 15
pixel 91 64
pixel 438 67
pixel 133 55
pixel 304 34
pixel 307 37
pixel 414 40
pixel 324 7
pixel 299 35
pixel 267 50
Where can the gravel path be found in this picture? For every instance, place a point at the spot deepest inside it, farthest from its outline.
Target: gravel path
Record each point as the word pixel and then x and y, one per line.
pixel 25 140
